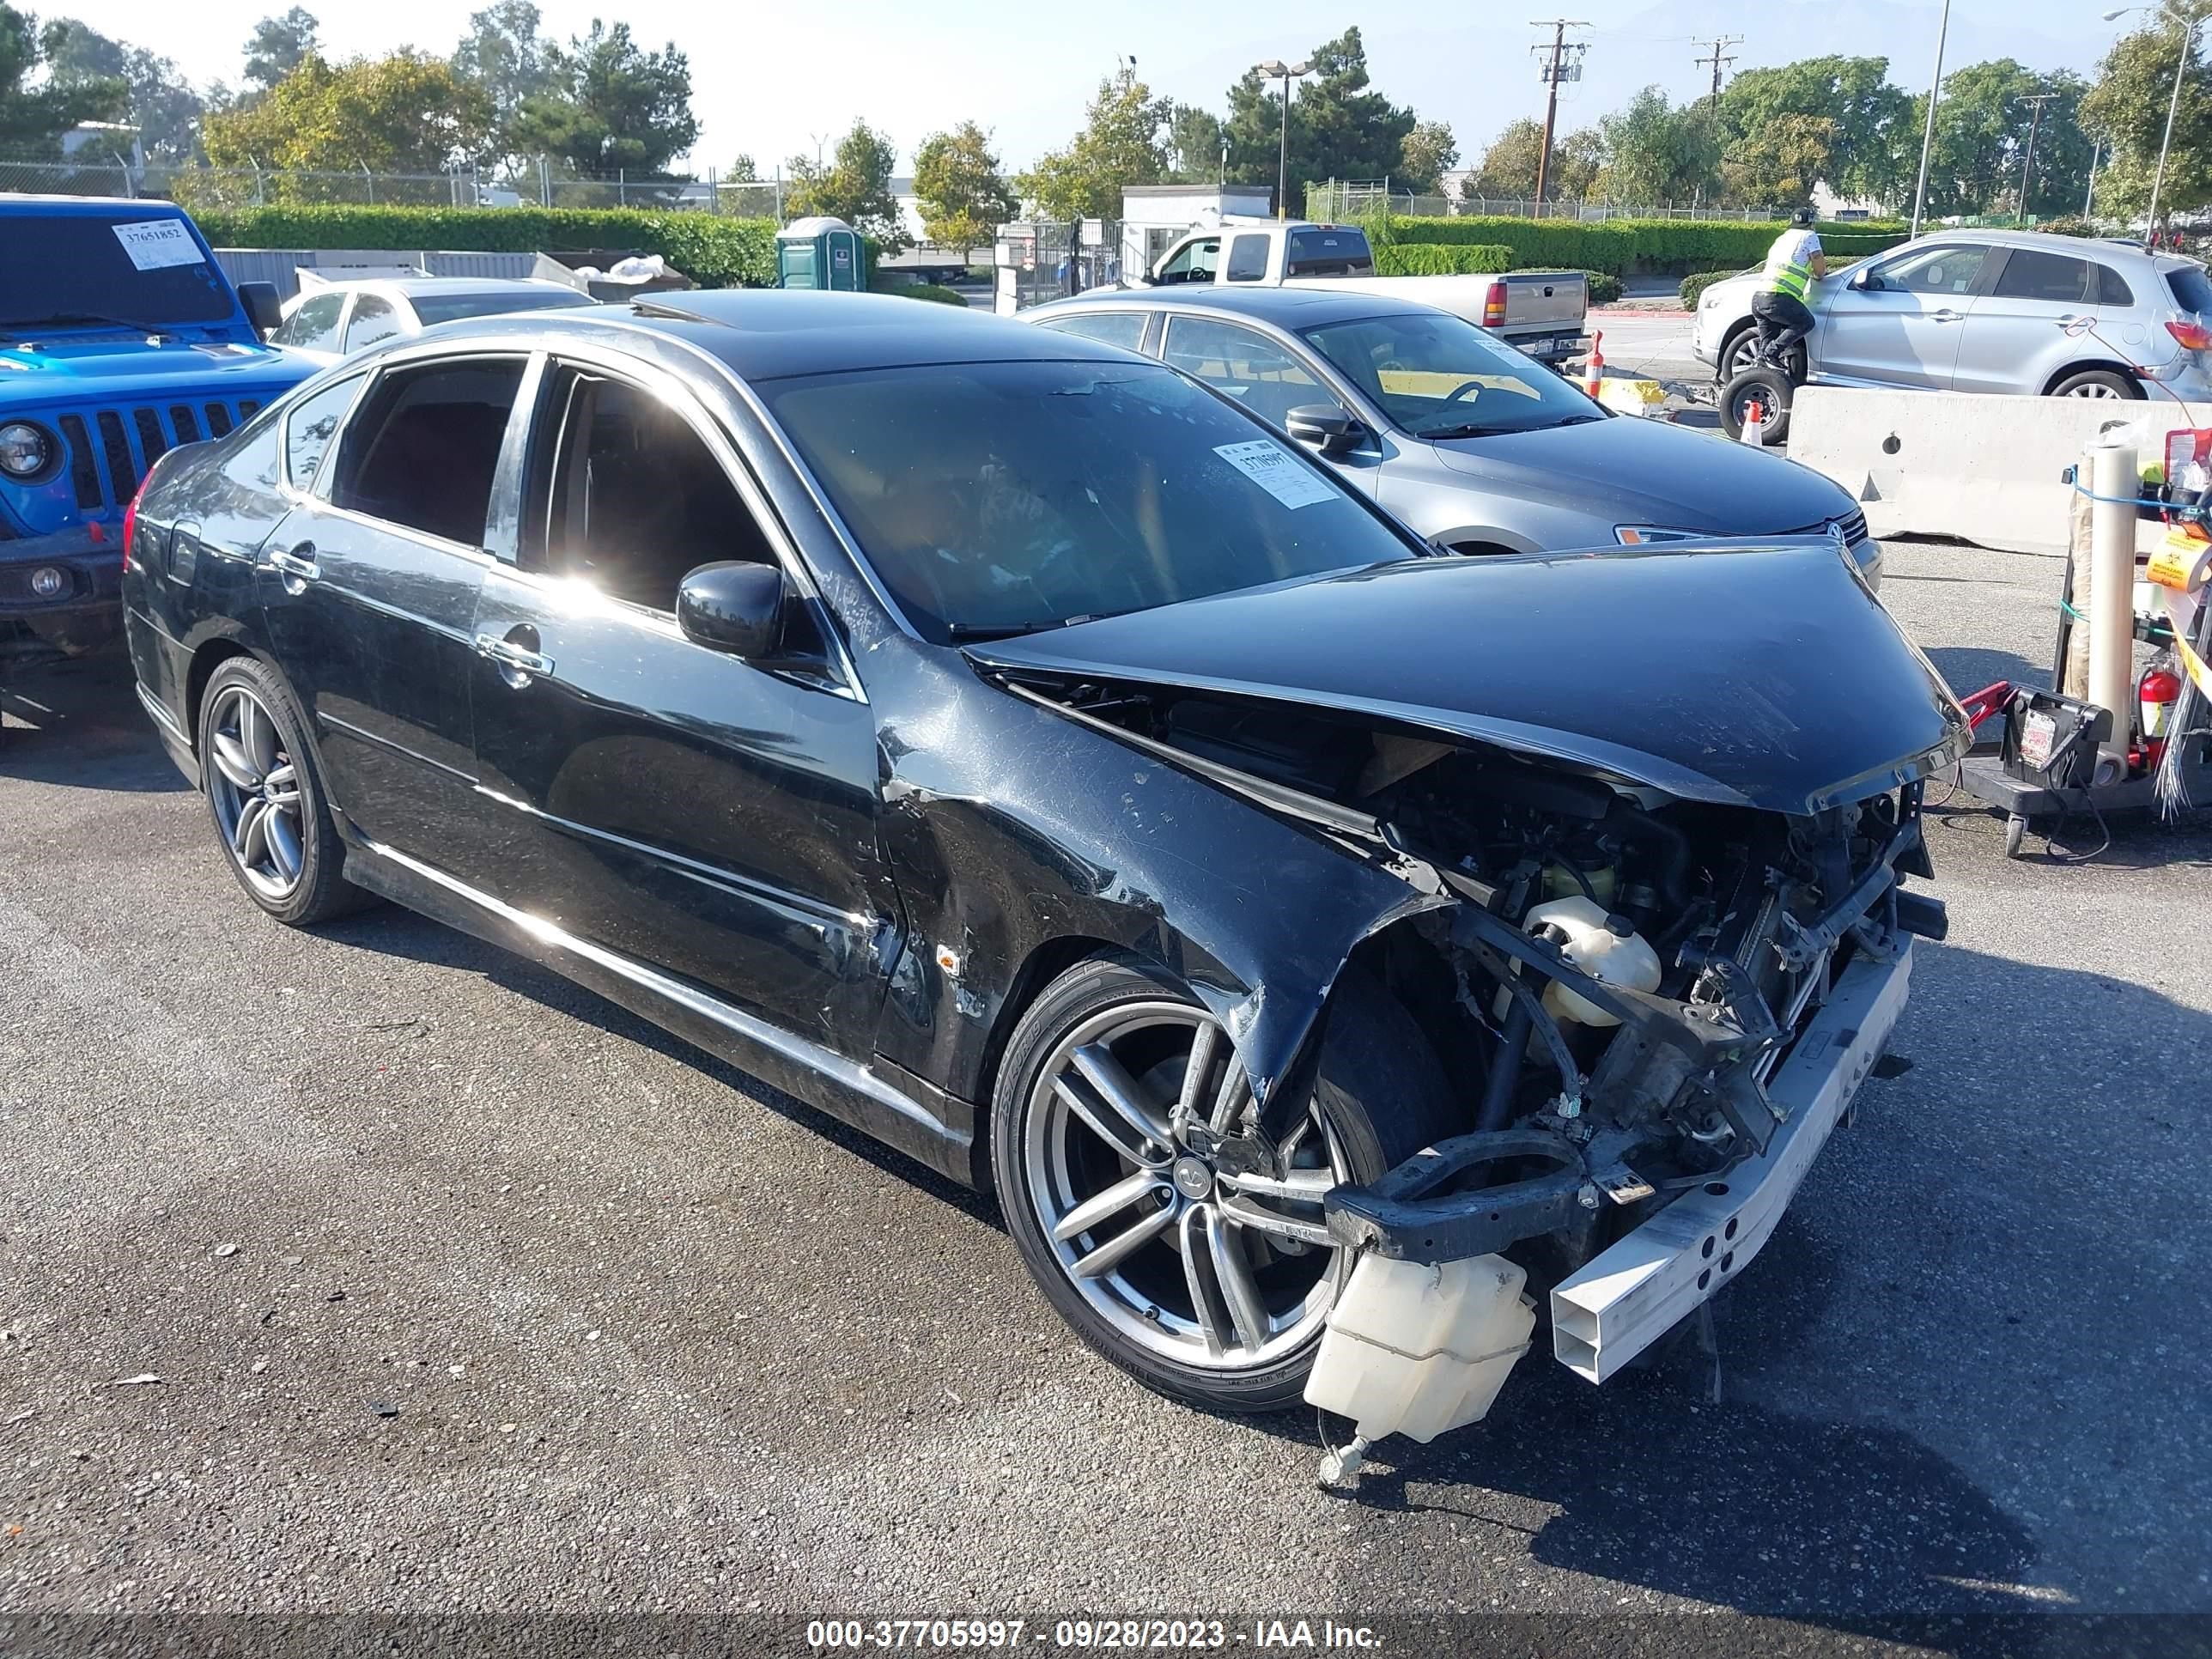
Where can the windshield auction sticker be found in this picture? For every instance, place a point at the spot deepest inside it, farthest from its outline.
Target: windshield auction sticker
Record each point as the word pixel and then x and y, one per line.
pixel 155 244
pixel 1268 464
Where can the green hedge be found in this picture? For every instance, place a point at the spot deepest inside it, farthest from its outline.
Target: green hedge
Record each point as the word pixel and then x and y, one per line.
pixel 1617 246
pixel 1440 259
pixel 712 251
pixel 1694 285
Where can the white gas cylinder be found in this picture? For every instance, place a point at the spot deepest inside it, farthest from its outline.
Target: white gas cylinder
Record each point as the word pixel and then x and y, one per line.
pixel 1417 1350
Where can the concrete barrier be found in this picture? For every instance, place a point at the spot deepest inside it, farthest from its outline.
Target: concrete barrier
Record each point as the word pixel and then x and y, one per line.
pixel 1983 469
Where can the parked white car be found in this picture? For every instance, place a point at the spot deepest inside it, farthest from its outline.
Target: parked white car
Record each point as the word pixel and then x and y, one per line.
pixel 332 320
pixel 2004 311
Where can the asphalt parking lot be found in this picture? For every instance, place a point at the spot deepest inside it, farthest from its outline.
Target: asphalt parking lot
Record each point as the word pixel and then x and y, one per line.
pixel 370 1269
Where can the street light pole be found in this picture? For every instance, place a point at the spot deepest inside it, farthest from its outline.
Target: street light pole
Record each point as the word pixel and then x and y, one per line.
pixel 1928 136
pixel 2157 179
pixel 1272 68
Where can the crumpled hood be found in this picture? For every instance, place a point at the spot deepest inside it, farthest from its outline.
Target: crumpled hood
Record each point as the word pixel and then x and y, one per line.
pixel 1655 473
pixel 1760 674
pixel 113 366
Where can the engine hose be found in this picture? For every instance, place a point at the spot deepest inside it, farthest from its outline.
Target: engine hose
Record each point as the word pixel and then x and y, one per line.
pixel 1497 1093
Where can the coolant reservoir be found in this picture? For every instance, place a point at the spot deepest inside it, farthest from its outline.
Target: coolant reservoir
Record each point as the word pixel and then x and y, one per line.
pixel 1624 959
pixel 1417 1350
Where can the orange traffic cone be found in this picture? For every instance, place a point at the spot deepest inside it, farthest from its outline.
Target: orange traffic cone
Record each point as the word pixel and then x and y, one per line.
pixel 1596 371
pixel 1754 425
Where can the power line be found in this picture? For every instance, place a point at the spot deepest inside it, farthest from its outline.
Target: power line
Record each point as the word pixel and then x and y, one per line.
pixel 1719 43
pixel 1560 68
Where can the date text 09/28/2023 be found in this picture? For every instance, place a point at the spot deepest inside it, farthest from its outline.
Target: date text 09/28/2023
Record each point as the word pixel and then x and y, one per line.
pixel 1107 1634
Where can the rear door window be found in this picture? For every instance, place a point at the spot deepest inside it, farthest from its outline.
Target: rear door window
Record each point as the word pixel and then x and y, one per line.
pixel 2051 278
pixel 373 319
pixel 313 325
pixel 1125 329
pixel 422 451
pixel 1248 258
pixel 308 428
pixel 2112 288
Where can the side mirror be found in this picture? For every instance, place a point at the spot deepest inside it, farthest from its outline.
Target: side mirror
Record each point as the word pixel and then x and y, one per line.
pixel 734 607
pixel 263 308
pixel 1324 427
pixel 1866 282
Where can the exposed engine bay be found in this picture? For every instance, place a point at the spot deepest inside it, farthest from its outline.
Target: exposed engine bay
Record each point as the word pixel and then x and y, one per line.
pixel 1623 973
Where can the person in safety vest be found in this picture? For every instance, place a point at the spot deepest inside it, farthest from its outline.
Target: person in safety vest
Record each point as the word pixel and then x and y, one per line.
pixel 1794 263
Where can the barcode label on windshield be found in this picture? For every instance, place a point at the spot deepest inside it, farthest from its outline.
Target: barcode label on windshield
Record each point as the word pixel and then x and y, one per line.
pixel 1272 467
pixel 155 244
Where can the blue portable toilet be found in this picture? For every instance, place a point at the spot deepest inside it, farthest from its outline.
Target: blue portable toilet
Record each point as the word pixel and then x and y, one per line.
pixel 819 253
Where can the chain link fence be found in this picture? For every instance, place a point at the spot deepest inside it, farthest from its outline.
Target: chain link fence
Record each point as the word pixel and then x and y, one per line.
pixel 539 185
pixel 1339 202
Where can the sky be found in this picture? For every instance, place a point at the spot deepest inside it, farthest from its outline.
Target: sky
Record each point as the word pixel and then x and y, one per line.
pixel 770 82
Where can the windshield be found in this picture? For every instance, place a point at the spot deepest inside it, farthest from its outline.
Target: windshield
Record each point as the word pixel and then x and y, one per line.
pixel 1000 498
pixel 86 270
pixel 433 308
pixel 1438 376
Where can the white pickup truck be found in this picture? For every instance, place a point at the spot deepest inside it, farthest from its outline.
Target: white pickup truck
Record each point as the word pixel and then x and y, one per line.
pixel 1541 312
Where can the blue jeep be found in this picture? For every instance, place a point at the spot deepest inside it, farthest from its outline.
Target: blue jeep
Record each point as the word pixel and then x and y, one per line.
pixel 121 339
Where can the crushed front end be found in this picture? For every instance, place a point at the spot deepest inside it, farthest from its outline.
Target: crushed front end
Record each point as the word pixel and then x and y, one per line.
pixel 1638 1135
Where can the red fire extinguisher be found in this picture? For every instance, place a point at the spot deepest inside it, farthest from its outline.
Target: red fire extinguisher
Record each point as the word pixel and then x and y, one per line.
pixel 2156 692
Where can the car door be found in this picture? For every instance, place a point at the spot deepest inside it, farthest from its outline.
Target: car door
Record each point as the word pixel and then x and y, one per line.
pixel 1265 377
pixel 1194 262
pixel 2040 306
pixel 1900 322
pixel 711 817
pixel 313 325
pixel 376 570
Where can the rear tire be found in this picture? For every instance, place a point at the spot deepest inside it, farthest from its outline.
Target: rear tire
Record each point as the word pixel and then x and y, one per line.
pixel 1208 1295
pixel 1770 388
pixel 2107 383
pixel 265 796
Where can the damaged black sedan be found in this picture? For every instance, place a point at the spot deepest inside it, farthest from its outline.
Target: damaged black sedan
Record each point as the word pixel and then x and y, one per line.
pixel 1009 746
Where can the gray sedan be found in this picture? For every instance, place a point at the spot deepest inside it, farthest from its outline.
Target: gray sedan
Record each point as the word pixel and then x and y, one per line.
pixel 1474 444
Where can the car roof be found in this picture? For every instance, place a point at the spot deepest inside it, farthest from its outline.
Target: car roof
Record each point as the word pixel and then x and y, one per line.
pixel 411 285
pixel 766 334
pixel 1285 308
pixel 2038 239
pixel 151 207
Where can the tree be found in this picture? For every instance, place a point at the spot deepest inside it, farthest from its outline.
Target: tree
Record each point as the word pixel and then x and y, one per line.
pixel 1508 169
pixel 1872 142
pixel 854 185
pixel 742 171
pixel 1981 138
pixel 159 102
pixel 1428 151
pixel 505 55
pixel 1779 161
pixel 1194 145
pixel 609 107
pixel 278 45
pixel 1338 128
pixel 2126 108
pixel 1657 154
pixel 964 198
pixel 404 114
pixel 32 120
pixel 1119 146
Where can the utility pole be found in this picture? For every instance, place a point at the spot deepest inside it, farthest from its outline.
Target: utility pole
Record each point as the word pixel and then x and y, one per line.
pixel 1719 62
pixel 2028 166
pixel 1554 72
pixel 1928 135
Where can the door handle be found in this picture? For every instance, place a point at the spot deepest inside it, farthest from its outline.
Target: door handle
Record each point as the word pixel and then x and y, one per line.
pixel 296 564
pixel 1948 315
pixel 507 654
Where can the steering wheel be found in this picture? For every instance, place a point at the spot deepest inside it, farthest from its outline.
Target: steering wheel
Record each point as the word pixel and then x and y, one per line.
pixel 1462 390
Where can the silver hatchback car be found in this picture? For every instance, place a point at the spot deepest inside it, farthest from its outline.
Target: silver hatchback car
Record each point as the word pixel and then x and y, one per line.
pixel 1992 311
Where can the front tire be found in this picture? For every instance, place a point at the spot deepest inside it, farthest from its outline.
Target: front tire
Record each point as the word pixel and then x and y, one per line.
pixel 1205 1284
pixel 1771 389
pixel 271 817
